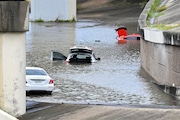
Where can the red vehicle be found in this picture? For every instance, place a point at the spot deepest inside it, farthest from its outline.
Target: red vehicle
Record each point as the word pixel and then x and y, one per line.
pixel 123 36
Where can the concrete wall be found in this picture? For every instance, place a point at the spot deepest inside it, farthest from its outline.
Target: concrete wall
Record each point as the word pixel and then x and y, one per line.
pixel 12 73
pixel 160 54
pixel 161 62
pixel 52 10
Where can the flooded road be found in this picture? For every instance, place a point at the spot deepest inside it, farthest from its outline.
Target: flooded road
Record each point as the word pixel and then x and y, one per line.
pixel 115 79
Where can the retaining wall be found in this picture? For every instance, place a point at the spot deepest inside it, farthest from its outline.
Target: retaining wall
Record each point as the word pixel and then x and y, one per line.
pixel 160 50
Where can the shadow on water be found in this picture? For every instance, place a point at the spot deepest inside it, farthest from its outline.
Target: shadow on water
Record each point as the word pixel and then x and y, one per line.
pixel 115 79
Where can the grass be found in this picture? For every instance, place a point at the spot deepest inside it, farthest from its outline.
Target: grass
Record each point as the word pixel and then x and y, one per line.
pixel 155 11
pixel 72 20
pixel 165 26
pixel 57 20
pixel 39 20
pixel 162 26
pixel 154 6
pixel 161 8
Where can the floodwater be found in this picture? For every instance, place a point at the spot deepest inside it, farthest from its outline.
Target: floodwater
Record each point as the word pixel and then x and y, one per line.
pixel 116 79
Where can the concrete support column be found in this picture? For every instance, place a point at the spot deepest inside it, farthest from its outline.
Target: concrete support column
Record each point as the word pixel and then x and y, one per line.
pixel 13 27
pixel 53 10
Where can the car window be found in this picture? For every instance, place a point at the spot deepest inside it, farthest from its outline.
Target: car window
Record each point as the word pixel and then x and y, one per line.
pixel 76 50
pixel 35 72
pixel 82 56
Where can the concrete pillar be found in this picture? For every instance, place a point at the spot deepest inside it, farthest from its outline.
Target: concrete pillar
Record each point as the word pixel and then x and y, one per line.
pixel 53 10
pixel 13 26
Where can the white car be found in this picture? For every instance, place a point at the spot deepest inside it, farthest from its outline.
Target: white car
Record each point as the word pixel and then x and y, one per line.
pixel 37 79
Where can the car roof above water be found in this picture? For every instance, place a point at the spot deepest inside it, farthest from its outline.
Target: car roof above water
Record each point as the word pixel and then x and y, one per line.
pixel 34 68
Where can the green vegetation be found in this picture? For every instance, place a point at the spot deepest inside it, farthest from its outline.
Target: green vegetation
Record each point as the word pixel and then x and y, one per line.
pixel 57 20
pixel 161 8
pixel 159 14
pixel 165 27
pixel 155 11
pixel 162 26
pixel 39 20
pixel 72 20
pixel 154 6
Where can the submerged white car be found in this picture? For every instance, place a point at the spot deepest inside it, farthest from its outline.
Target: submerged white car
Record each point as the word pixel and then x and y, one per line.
pixel 77 54
pixel 37 79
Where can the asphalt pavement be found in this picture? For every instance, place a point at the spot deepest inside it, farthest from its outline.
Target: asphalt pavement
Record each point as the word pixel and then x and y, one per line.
pixel 49 111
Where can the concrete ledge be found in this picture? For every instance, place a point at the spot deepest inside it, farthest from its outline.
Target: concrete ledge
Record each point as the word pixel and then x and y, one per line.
pixel 161 37
pixel 6 116
pixel 153 35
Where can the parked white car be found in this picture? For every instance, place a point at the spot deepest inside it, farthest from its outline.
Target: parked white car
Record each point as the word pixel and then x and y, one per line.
pixel 37 79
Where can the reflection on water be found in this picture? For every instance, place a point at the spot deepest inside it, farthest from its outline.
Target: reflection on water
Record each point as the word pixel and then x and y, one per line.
pixel 118 69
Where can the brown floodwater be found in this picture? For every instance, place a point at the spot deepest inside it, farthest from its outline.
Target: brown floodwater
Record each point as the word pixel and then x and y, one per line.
pixel 116 79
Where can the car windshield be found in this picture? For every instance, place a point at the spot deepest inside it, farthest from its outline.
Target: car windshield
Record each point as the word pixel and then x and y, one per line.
pixel 35 72
pixel 80 56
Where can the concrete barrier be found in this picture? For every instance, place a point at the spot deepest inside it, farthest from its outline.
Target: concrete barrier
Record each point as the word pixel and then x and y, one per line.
pixel 13 26
pixel 6 116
